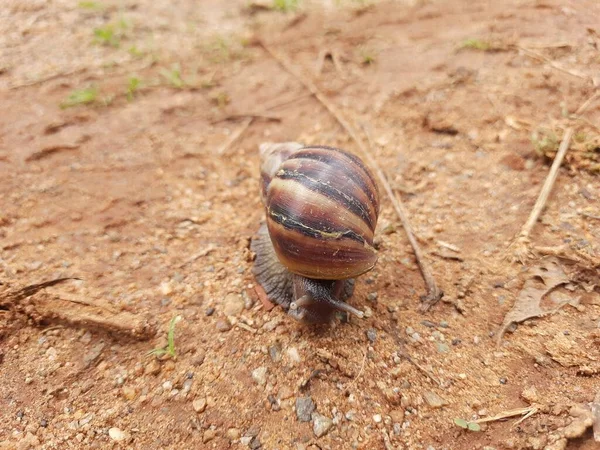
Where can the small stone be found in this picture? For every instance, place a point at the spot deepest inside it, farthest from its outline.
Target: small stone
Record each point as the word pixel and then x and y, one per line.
pixel 259 375
pixel 377 418
pixel 128 392
pixel 223 325
pixel 209 311
pixel 284 393
pixel 503 380
pixel 428 324
pixel 321 424
pixel 198 359
pixel 208 435
pixel 28 442
pixel 293 355
pixel 304 408
pixel 92 354
pixel 530 394
pixel 233 304
pixel 372 296
pixel 116 434
pixel 254 443
pixel 442 347
pixel 271 324
pixel 152 368
pixel 275 352
pixel 371 335
pixel 199 404
pixel 434 400
pixel 233 434
pixel 397 415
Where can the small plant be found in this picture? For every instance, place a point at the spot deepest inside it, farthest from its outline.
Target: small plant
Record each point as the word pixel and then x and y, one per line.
pixel 221 99
pixel 476 44
pixel 135 52
pixel 133 85
pixel 545 142
pixel 111 34
pixel 471 426
pixel 285 5
pixel 80 97
pixel 170 348
pixel 173 76
pixel 366 56
pixel 107 36
pixel 92 6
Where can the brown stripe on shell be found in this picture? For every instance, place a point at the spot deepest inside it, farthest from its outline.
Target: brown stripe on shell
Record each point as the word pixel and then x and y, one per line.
pixel 346 161
pixel 321 259
pixel 313 214
pixel 327 180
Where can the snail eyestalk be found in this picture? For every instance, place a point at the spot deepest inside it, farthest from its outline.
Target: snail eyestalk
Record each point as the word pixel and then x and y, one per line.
pixel 307 300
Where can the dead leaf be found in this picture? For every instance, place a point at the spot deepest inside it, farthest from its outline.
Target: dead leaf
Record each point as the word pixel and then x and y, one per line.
pixel 541 280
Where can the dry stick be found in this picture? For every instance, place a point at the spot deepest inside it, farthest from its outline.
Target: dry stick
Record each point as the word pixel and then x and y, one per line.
pixel 552 63
pixel 433 292
pixel 521 250
pixel 235 136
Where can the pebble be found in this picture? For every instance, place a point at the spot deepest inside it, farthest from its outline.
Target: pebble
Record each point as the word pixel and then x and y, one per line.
pixel 377 418
pixel 208 435
pixel 259 375
pixel 271 324
pixel 233 434
pixel 152 368
pixel 434 400
pixel 371 335
pixel 254 443
pixel 128 392
pixel 27 442
pixel 372 296
pixel 116 434
pixel 275 352
pixel 321 424
pixel 198 359
pixel 293 355
pixel 397 415
pixel 199 404
pixel 530 394
pixel 304 408
pixel 442 348
pixel 209 311
pixel 223 325
pixel 428 324
pixel 233 304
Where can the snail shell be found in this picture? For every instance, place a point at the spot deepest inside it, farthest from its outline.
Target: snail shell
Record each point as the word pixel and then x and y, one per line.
pixel 321 205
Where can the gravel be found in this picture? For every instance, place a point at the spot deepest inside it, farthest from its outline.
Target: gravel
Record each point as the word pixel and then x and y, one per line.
pixel 304 408
pixel 321 424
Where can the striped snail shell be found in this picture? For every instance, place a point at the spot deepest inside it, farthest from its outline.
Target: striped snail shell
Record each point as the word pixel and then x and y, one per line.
pixel 321 208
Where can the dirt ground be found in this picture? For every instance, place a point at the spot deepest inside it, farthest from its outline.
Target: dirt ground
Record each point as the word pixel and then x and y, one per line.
pixel 116 170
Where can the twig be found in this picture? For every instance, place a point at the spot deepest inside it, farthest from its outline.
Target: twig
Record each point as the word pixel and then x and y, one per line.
pixel 235 136
pixel 520 245
pixel 525 412
pixel 553 64
pixel 360 371
pixel 257 115
pixel 433 292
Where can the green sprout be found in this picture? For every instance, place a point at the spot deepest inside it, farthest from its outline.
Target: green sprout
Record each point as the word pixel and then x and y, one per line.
pixel 476 44
pixel 471 426
pixel 80 97
pixel 173 76
pixel 285 5
pixel 170 348
pixel 133 85
pixel 93 6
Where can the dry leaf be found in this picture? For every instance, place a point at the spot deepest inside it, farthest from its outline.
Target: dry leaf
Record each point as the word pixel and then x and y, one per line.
pixel 541 280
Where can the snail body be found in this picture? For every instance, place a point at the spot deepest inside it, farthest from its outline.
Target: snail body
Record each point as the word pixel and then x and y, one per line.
pixel 321 208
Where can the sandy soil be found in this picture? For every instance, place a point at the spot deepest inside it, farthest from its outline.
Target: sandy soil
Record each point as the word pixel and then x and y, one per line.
pixel 137 195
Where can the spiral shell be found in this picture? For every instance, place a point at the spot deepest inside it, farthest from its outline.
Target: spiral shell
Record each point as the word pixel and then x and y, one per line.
pixel 322 205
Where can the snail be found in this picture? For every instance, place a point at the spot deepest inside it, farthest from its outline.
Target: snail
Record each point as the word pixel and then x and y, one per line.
pixel 321 208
